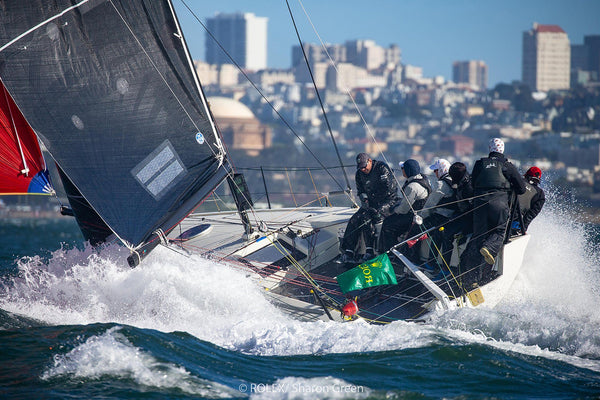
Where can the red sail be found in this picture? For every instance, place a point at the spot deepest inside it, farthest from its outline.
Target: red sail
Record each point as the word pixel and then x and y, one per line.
pixel 22 167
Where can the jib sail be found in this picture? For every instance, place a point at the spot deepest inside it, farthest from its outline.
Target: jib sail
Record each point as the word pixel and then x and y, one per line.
pixel 110 90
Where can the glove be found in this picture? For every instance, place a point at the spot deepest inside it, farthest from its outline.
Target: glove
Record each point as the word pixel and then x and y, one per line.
pixel 374 214
pixel 417 219
pixel 516 225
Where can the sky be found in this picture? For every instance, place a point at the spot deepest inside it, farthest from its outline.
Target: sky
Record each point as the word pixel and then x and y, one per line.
pixel 431 34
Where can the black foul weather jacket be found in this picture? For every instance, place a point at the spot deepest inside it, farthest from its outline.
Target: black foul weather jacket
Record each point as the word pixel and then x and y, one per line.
pixel 531 202
pixel 494 177
pixel 379 185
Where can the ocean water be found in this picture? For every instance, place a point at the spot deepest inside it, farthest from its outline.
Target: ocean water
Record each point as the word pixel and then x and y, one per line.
pixel 75 324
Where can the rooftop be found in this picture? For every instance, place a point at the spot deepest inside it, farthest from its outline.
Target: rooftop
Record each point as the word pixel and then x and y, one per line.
pixel 548 28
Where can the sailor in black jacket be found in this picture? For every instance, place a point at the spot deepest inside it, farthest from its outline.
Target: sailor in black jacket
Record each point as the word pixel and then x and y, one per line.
pixel 463 191
pixel 494 178
pixel 378 192
pixel 532 201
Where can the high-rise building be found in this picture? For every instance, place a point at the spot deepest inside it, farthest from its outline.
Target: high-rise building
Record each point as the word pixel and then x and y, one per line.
pixel 546 58
pixel 473 72
pixel 242 35
pixel 585 61
pixel 361 53
pixel 579 57
pixel 592 45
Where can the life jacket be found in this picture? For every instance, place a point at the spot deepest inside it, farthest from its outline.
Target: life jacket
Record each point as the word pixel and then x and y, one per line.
pixel 491 175
pixel 464 193
pixel 419 203
pixel 526 198
pixel 448 202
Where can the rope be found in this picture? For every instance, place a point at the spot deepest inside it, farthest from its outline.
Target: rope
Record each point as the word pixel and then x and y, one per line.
pixel 367 127
pixel 291 190
pixel 314 186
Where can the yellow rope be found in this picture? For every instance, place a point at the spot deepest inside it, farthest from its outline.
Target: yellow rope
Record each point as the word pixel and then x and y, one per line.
pixel 290 184
pixel 315 186
pixel 301 269
pixel 437 249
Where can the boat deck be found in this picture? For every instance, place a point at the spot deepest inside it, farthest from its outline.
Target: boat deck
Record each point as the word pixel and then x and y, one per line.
pixel 287 244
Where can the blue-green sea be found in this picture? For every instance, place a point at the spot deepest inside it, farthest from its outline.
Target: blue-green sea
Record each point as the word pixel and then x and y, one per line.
pixel 77 324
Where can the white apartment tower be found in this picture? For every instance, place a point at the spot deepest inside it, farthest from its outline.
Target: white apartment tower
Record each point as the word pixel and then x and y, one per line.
pixel 473 72
pixel 242 35
pixel 546 58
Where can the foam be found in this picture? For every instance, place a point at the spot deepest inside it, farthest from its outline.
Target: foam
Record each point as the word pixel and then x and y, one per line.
pixel 111 354
pixel 211 301
pixel 551 308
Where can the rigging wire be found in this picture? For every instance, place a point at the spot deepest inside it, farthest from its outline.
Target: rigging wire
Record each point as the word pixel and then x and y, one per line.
pixel 219 156
pixel 292 260
pixel 318 96
pixel 260 92
pixel 368 128
pixel 284 251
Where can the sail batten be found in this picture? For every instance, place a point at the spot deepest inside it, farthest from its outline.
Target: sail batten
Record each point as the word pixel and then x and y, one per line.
pixel 109 89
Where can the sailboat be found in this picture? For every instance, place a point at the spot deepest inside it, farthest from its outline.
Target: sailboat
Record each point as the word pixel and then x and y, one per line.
pixel 110 90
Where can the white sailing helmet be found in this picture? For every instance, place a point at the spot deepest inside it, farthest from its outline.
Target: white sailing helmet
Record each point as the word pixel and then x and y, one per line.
pixel 497 145
pixel 442 165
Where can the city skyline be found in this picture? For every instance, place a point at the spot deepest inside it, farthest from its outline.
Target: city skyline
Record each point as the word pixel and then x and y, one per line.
pixel 431 34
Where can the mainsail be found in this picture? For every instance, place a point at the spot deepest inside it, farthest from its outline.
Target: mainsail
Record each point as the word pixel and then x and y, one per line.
pixel 22 166
pixel 109 88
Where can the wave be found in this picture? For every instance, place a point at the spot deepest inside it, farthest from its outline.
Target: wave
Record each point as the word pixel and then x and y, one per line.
pixel 111 354
pixel 549 311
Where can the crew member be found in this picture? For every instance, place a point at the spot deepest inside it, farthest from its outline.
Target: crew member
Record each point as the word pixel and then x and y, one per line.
pixel 463 192
pixel 440 205
pixel 415 191
pixel 378 192
pixel 532 201
pixel 494 178
pixel 439 208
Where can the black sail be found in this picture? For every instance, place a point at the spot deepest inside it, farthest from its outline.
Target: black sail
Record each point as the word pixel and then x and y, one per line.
pixel 109 88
